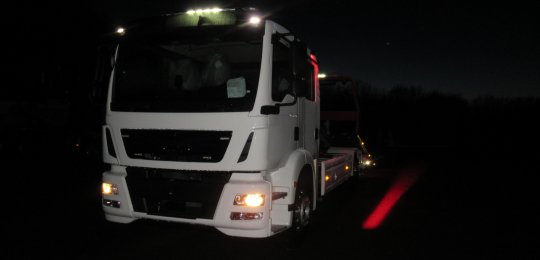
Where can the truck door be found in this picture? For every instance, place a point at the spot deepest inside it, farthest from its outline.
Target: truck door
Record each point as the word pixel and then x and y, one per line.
pixel 284 127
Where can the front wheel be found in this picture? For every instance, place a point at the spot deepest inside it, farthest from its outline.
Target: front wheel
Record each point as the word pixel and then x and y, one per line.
pixel 302 209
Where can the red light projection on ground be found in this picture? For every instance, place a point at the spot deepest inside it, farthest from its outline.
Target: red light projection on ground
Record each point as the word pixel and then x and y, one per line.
pixel 402 183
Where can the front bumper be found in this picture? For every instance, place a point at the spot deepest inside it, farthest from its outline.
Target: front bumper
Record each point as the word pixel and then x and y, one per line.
pixel 185 206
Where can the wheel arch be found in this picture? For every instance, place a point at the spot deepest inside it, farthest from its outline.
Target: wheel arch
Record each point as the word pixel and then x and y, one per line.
pixel 299 165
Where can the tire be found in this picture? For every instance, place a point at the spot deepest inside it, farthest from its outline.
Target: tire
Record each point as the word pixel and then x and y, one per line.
pixel 294 238
pixel 303 207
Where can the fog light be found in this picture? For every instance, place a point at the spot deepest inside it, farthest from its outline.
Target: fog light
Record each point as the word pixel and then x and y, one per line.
pixel 109 189
pixel 250 200
pixel 246 216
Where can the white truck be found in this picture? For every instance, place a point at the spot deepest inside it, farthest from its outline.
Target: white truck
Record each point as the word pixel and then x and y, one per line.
pixel 212 118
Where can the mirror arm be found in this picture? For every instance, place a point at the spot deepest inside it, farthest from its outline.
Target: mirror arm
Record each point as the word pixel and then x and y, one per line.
pixel 274 109
pixel 278 36
pixel 290 103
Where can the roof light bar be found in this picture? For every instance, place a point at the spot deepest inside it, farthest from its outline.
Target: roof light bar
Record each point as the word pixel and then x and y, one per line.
pixel 204 11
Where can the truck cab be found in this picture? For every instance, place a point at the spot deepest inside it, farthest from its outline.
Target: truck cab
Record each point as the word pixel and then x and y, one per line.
pixel 212 118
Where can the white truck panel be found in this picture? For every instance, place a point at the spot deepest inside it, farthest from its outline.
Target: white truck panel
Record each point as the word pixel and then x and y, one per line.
pixel 336 169
pixel 124 214
pixel 239 123
pixel 285 177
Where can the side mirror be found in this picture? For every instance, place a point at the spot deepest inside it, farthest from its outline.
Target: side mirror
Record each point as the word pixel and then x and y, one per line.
pixel 299 67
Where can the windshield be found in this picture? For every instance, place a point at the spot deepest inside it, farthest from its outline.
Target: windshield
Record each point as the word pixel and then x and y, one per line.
pixel 172 76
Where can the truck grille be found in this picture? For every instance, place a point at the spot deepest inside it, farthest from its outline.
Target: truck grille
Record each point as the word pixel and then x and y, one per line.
pixel 176 145
pixel 174 193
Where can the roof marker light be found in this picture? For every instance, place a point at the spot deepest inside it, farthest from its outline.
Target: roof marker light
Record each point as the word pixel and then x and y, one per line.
pixel 254 20
pixel 120 31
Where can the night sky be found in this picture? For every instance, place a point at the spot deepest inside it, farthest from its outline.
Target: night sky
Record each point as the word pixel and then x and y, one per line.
pixel 454 47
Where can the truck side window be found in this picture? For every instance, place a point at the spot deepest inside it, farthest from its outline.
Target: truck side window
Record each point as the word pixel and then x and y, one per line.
pixel 281 72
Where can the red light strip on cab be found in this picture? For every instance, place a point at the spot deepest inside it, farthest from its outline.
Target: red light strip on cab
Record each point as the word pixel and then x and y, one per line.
pixel 315 75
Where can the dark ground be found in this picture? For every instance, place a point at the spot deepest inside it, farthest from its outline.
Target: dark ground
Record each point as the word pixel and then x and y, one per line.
pixel 467 202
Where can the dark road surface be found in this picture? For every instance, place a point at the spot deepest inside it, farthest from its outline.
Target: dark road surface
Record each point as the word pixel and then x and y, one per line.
pixel 458 207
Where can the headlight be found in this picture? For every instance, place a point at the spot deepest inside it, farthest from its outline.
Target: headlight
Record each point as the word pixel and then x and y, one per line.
pixel 109 189
pixel 250 200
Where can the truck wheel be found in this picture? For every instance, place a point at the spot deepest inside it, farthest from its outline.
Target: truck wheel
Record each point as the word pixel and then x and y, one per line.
pixel 302 209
